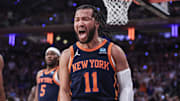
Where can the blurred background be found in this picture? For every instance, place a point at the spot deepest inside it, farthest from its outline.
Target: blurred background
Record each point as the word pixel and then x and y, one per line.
pixel 28 27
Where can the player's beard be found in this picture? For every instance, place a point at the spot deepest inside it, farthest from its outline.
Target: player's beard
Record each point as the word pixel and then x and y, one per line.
pixel 90 36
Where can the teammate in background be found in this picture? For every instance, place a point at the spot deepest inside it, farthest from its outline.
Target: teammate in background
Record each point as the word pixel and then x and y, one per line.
pixel 2 94
pixel 93 65
pixel 31 96
pixel 47 88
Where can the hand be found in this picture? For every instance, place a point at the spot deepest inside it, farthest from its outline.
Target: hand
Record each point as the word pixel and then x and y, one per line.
pixel 1 63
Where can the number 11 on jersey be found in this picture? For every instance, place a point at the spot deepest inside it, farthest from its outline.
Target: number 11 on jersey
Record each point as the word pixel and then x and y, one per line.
pixel 87 82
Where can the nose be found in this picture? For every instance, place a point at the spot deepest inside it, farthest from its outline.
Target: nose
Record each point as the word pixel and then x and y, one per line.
pixel 81 23
pixel 48 56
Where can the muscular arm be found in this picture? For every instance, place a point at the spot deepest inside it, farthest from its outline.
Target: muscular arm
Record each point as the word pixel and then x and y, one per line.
pixel 2 94
pixel 64 76
pixel 123 74
pixel 32 95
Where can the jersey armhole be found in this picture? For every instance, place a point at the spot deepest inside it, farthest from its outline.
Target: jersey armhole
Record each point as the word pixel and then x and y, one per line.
pixel 39 73
pixel 71 58
pixel 55 78
pixel 111 60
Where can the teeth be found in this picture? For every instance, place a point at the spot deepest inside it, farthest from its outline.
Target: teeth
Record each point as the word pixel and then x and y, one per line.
pixel 81 31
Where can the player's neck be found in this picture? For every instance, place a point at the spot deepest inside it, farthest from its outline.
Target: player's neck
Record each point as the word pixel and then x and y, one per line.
pixel 50 67
pixel 93 43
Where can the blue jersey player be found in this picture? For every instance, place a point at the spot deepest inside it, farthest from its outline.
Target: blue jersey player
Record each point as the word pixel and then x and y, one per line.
pixel 47 88
pixel 93 68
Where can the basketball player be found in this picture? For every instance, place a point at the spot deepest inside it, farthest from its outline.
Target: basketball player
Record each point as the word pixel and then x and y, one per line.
pixel 93 65
pixel 2 94
pixel 47 88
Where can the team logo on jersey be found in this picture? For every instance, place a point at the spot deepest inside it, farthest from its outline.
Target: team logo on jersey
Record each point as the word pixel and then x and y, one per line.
pixel 77 53
pixel 52 72
pixel 102 51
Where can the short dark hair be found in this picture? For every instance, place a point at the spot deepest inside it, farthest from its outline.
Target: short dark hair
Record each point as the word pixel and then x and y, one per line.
pixel 95 11
pixel 97 14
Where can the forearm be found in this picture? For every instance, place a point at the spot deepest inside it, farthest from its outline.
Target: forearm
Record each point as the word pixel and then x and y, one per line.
pixel 126 94
pixel 126 86
pixel 2 94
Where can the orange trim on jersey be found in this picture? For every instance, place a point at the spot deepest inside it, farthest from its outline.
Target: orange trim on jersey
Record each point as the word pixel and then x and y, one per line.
pixel 109 56
pixel 93 49
pixel 115 85
pixel 47 72
pixel 71 59
pixel 57 83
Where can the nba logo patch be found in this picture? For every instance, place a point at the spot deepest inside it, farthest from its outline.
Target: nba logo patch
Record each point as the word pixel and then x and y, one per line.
pixel 102 51
pixel 52 72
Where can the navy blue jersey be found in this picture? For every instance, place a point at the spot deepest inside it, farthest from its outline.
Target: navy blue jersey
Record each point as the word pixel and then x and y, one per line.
pixel 93 73
pixel 48 87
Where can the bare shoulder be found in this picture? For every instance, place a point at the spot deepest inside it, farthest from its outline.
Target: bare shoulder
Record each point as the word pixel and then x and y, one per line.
pixel 117 49
pixel 39 73
pixel 66 51
pixel 65 54
pixel 1 62
pixel 119 57
pixel 1 58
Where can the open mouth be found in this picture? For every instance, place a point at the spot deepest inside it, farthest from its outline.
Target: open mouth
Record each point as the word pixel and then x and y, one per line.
pixel 82 32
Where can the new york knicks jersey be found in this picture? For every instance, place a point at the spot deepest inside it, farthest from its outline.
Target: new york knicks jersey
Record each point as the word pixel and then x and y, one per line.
pixel 93 73
pixel 48 86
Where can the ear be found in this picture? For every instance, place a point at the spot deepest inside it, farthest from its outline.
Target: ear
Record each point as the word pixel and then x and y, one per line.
pixel 97 24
